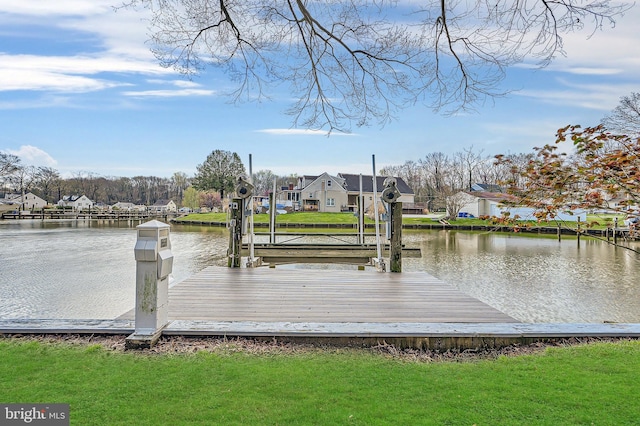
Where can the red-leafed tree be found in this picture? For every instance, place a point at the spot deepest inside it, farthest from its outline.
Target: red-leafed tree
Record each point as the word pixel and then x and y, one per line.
pixel 603 173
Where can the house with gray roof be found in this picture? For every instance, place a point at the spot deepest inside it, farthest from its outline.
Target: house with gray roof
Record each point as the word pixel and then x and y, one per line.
pixel 352 187
pixel 76 202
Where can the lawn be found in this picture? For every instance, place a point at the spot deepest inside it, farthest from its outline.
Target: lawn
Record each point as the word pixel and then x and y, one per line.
pixel 296 217
pixel 574 385
pixel 597 221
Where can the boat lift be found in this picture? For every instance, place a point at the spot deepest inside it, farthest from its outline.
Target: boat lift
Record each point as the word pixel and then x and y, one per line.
pixel 343 252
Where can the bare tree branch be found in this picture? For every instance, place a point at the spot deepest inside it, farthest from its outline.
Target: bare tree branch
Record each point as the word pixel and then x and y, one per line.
pixel 350 61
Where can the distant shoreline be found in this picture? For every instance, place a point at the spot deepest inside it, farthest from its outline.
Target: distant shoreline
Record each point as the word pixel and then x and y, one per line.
pixel 546 230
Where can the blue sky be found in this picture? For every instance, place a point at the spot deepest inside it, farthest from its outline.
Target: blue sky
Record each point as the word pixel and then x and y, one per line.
pixel 80 92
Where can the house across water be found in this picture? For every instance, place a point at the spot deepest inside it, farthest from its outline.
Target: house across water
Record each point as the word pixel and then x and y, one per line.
pixel 327 193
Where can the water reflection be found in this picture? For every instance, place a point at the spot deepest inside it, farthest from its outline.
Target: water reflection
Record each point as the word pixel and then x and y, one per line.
pixel 535 279
pixel 82 269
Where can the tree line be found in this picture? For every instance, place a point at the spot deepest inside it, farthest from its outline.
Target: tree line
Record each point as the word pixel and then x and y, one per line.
pixel 432 178
pixel 48 184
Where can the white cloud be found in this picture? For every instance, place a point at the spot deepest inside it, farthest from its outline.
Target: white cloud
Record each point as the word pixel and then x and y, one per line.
pixel 592 71
pixel 33 156
pixel 177 83
pixel 169 93
pixel 58 7
pixel 38 80
pixel 601 97
pixel 66 73
pixel 611 50
pixel 122 48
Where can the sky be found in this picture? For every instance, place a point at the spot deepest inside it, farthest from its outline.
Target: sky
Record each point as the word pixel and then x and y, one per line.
pixel 81 92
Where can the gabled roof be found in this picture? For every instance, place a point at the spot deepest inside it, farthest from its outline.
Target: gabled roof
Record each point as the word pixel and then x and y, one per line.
pixel 337 179
pixel 12 197
pixel 492 196
pixel 162 202
pixel 73 198
pixel 353 183
pixel 486 187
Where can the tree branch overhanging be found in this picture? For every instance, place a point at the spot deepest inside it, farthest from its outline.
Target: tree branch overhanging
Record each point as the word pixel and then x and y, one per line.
pixel 359 61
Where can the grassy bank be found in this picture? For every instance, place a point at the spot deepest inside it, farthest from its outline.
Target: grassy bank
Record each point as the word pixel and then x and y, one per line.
pixel 595 221
pixel 587 384
pixel 297 217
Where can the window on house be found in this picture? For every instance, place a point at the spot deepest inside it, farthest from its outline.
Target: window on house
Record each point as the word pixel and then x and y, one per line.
pixel 331 202
pixel 328 184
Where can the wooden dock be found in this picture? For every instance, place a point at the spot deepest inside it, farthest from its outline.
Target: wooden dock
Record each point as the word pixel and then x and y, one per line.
pixel 352 307
pixel 314 295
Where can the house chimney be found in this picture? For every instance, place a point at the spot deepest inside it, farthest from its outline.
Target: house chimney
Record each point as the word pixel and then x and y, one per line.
pixel 290 187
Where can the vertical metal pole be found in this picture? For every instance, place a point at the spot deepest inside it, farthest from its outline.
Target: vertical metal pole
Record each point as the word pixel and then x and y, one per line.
pixel 360 214
pixel 251 243
pixel 272 214
pixel 375 209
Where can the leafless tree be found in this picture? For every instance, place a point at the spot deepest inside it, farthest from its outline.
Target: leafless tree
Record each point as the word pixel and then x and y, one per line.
pixel 46 180
pixel 467 164
pixel 350 61
pixel 22 179
pixel 625 118
pixel 263 182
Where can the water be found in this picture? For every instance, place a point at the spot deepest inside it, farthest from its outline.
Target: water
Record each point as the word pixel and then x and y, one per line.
pixel 83 269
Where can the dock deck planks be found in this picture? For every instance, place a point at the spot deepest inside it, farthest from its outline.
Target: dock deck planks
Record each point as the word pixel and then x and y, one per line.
pixel 323 296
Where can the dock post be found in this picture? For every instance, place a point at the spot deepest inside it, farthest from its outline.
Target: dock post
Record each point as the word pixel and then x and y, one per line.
pixel 272 216
pixel 615 230
pixel 390 195
pixel 154 264
pixel 395 255
pixel 235 237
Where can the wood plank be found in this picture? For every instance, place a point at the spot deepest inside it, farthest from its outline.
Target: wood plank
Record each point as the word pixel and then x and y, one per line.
pixel 308 295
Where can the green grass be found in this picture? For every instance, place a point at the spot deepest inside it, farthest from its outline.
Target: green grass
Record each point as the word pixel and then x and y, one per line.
pixel 600 221
pixel 589 384
pixel 296 217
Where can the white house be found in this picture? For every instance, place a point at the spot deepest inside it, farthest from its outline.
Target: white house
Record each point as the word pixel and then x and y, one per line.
pixel 76 202
pixel 324 194
pixel 478 204
pixel 29 201
pixel 163 206
pixel 327 193
pixel 122 206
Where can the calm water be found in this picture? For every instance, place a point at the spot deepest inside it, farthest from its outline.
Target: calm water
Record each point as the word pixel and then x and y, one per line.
pixel 82 269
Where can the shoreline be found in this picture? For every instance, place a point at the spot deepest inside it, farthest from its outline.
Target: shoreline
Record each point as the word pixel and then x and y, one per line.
pixel 513 229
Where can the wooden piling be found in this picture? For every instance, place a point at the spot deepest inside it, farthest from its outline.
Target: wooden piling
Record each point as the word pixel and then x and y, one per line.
pixel 395 249
pixel 235 236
